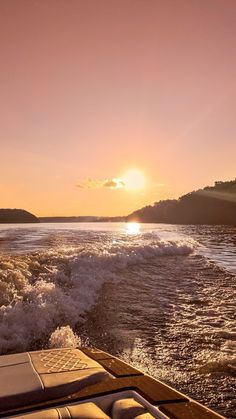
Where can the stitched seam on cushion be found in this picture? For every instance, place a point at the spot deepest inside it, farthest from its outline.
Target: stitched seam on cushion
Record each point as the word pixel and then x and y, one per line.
pixel 68 411
pixel 40 379
pixel 59 413
pixel 101 369
pixel 12 365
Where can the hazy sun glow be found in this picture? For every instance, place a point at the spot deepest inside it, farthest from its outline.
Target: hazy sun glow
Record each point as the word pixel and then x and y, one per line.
pixel 133 179
pixel 132 228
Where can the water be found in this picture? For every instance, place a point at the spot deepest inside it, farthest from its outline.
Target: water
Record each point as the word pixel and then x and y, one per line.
pixel 161 297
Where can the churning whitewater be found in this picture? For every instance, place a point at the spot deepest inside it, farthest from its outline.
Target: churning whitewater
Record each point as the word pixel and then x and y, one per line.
pixel 161 297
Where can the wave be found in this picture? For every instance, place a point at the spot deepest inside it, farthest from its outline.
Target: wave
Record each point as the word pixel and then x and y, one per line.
pixel 224 365
pixel 42 291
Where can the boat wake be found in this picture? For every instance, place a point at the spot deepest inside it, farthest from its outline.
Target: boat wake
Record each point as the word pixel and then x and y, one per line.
pixel 42 291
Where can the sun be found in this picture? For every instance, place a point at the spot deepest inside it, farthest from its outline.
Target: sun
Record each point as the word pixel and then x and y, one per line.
pixel 133 179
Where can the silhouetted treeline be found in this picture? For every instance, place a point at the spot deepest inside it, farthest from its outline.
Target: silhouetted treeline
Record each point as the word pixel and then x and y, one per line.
pixel 17 216
pixel 80 219
pixel 72 219
pixel 211 205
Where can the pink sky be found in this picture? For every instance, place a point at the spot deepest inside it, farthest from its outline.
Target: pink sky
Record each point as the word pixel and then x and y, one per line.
pixel 91 88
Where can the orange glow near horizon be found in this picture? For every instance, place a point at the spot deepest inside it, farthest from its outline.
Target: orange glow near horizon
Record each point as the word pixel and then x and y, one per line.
pixel 108 106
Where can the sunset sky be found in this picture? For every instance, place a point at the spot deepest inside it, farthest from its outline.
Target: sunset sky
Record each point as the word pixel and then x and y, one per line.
pixel 92 89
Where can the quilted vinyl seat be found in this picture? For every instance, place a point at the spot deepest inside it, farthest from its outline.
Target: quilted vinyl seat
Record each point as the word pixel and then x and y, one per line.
pixel 83 411
pixel 32 377
pixel 121 409
pixel 129 409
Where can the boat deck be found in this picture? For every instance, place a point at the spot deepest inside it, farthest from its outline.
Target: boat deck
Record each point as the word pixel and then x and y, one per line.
pixel 113 377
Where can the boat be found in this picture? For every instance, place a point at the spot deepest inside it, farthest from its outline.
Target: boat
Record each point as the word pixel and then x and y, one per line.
pixel 87 383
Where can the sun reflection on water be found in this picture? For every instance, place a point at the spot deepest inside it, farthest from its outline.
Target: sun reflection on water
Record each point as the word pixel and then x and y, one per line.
pixel 132 228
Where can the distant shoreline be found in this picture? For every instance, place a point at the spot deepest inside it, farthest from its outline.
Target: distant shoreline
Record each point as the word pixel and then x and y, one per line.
pixel 81 219
pixel 212 205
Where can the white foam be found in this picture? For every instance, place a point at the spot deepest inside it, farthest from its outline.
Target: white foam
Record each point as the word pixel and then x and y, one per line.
pixel 43 291
pixel 64 337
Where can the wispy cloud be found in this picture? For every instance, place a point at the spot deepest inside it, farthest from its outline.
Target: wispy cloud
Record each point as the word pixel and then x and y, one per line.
pixel 89 183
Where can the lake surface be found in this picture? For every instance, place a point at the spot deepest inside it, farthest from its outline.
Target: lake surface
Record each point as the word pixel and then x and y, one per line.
pixel 161 297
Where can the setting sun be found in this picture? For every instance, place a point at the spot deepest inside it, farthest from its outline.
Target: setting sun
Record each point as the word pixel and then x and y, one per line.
pixel 133 179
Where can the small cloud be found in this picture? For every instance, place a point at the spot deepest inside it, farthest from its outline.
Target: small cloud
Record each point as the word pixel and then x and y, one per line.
pixel 99 184
pixel 114 183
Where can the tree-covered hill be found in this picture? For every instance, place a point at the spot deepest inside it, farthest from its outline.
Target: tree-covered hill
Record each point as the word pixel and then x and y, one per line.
pixel 211 205
pixel 17 216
